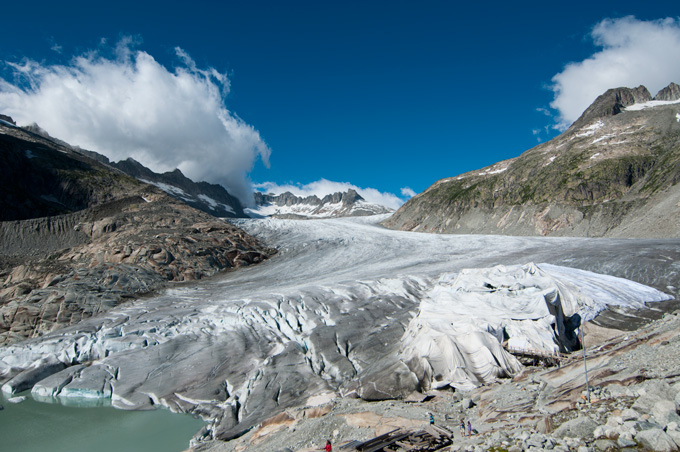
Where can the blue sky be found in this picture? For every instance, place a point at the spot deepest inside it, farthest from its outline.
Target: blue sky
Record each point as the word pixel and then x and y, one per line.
pixel 382 95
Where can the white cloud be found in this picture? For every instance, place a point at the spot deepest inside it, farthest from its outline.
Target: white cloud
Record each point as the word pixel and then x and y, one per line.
pixel 325 187
pixel 633 52
pixel 408 192
pixel 132 106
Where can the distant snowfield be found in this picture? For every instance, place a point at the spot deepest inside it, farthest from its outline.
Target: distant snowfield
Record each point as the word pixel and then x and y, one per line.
pixel 651 104
pixel 329 210
pixel 345 306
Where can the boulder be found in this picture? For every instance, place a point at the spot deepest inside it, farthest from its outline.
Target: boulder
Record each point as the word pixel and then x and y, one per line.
pixel 624 441
pixel 630 415
pixel 656 440
pixel 536 440
pixel 581 427
pixel 652 392
pixel 605 431
pixel 466 403
pixel 675 435
pixel 605 445
pixel 664 412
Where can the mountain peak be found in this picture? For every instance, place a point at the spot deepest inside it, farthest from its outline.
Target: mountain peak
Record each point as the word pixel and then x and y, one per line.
pixel 7 119
pixel 611 103
pixel 338 204
pixel 210 198
pixel 669 93
pixel 614 173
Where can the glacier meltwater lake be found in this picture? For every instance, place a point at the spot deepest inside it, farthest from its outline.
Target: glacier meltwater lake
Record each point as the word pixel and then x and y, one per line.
pixel 32 426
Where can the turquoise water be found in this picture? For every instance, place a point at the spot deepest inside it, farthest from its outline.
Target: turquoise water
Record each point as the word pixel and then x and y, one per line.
pixel 33 426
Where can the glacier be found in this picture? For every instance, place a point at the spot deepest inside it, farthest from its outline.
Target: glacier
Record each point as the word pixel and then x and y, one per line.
pixel 347 308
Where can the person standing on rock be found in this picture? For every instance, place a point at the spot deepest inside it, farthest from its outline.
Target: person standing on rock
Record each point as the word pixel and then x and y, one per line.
pixel 469 429
pixel 328 447
pixel 462 427
pixel 431 419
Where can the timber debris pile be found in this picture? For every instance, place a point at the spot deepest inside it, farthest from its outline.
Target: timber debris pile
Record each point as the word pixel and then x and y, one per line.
pixel 430 438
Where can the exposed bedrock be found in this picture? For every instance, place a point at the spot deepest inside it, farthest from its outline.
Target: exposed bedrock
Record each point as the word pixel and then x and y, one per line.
pixel 78 237
pixel 58 271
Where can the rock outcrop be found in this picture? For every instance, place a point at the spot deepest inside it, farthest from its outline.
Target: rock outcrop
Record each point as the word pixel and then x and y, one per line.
pixel 613 173
pixel 669 93
pixel 78 237
pixel 611 103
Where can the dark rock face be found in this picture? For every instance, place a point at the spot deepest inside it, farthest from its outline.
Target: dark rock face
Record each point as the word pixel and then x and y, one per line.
pixel 612 103
pixel 614 173
pixel 78 237
pixel 210 198
pixel 43 178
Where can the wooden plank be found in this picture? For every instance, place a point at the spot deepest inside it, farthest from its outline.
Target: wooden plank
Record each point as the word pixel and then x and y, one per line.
pixel 375 440
pixel 444 431
pixel 434 433
pixel 386 443
pixel 350 445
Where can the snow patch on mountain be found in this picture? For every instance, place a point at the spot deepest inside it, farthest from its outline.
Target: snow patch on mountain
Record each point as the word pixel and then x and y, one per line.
pixel 651 104
pixel 169 189
pixel 214 204
pixel 590 130
pixel 287 205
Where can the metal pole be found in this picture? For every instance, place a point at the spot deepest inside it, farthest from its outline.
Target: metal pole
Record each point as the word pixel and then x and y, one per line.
pixel 585 366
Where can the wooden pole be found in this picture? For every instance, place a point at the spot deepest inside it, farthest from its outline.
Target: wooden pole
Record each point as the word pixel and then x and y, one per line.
pixel 585 366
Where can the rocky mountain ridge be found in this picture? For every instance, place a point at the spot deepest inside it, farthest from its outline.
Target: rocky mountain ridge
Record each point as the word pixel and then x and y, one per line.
pixel 613 173
pixel 339 204
pixel 212 199
pixel 215 200
pixel 78 237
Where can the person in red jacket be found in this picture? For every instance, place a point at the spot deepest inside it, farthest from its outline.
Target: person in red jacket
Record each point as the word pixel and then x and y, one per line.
pixel 328 447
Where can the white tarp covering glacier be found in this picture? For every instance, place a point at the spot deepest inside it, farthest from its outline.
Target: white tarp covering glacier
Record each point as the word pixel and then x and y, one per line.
pixel 455 340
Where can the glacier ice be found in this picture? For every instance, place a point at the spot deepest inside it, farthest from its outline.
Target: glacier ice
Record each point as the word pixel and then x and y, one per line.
pixel 346 306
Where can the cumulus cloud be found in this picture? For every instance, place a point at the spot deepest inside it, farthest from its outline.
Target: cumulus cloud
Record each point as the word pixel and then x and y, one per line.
pixel 633 52
pixel 129 105
pixel 407 192
pixel 325 187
